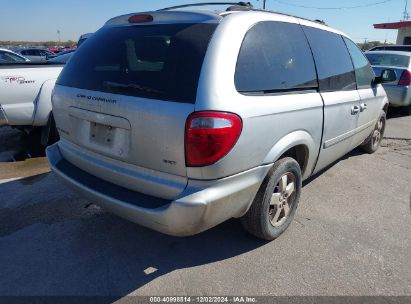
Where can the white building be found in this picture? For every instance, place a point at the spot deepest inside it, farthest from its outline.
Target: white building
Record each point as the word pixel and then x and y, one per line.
pixel 403 27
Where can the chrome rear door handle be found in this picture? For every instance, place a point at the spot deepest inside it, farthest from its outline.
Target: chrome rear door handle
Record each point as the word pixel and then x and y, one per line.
pixel 355 110
pixel 363 107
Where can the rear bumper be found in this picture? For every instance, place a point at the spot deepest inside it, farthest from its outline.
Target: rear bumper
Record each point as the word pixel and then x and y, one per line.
pixel 398 96
pixel 202 205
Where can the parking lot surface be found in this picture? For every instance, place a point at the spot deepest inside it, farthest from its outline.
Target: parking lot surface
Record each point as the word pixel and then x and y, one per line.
pixel 351 236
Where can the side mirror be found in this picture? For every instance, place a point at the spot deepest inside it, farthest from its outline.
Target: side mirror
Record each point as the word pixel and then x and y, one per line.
pixel 387 75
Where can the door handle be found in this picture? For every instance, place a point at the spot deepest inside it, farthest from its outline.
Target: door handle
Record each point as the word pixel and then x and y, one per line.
pixel 363 107
pixel 355 110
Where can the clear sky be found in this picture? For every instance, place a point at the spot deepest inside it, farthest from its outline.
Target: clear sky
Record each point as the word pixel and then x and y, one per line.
pixel 31 20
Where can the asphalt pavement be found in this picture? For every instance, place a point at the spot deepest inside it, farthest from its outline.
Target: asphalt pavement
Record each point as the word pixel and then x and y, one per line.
pixel 351 236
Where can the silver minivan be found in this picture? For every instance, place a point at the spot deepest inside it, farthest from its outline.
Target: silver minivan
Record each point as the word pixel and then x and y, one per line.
pixel 179 120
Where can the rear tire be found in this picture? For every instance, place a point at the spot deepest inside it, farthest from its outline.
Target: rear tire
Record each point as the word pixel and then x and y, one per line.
pixel 276 202
pixel 373 142
pixel 407 110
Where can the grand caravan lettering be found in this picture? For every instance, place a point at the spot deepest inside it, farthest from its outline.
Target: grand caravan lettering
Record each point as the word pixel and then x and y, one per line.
pixel 96 98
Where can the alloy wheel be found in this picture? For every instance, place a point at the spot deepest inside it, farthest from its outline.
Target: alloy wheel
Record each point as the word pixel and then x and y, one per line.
pixel 378 133
pixel 282 199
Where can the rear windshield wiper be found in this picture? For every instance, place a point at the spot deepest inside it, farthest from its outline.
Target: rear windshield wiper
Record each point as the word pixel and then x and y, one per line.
pixel 274 91
pixel 130 86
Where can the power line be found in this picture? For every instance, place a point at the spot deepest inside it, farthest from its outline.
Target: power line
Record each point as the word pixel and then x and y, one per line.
pixel 333 8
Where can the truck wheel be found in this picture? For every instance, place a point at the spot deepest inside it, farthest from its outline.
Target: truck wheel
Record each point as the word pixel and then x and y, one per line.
pixel 275 204
pixel 373 142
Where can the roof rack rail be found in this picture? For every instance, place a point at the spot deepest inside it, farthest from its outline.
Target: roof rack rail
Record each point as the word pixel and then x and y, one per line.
pixel 290 15
pixel 242 4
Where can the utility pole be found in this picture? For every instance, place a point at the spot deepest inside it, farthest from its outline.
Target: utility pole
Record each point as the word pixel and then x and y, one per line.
pixel 365 42
pixel 406 15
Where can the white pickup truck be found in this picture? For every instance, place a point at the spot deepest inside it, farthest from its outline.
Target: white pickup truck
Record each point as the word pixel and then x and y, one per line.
pixel 25 98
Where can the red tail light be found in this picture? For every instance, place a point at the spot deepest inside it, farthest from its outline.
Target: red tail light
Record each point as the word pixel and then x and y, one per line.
pixel 140 18
pixel 210 136
pixel 405 79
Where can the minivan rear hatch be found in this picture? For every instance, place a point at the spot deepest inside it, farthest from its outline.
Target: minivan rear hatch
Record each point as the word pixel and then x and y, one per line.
pixel 126 93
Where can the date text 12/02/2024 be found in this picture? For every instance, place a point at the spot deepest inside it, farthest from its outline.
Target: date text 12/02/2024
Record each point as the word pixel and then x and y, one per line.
pixel 203 299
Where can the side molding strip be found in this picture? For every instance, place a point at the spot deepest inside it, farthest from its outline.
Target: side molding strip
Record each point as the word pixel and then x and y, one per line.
pixel 340 138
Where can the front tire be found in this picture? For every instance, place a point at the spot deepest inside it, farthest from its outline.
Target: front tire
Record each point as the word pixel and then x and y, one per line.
pixel 276 202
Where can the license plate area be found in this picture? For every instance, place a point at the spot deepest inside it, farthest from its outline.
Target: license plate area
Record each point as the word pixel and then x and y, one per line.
pixel 102 134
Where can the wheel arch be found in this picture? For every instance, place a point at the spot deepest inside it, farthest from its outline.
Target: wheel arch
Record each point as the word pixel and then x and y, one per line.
pixel 385 107
pixel 298 145
pixel 43 104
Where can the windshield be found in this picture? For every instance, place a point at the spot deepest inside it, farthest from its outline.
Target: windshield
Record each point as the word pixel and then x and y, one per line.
pixel 153 61
pixel 388 60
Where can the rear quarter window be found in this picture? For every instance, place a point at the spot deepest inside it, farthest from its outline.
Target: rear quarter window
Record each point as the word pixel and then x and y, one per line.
pixel 160 61
pixel 363 71
pixel 275 56
pixel 334 66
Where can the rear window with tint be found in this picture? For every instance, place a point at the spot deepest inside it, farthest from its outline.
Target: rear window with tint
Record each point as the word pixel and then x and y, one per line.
pixel 152 61
pixel 389 60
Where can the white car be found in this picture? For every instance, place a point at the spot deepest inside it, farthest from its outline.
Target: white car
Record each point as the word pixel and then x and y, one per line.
pixel 25 97
pixel 7 56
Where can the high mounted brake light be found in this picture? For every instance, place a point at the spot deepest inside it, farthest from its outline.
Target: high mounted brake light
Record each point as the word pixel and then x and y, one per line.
pixel 140 19
pixel 210 136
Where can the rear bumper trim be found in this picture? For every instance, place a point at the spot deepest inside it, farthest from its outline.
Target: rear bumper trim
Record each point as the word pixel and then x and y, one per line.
pixel 109 189
pixel 202 205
